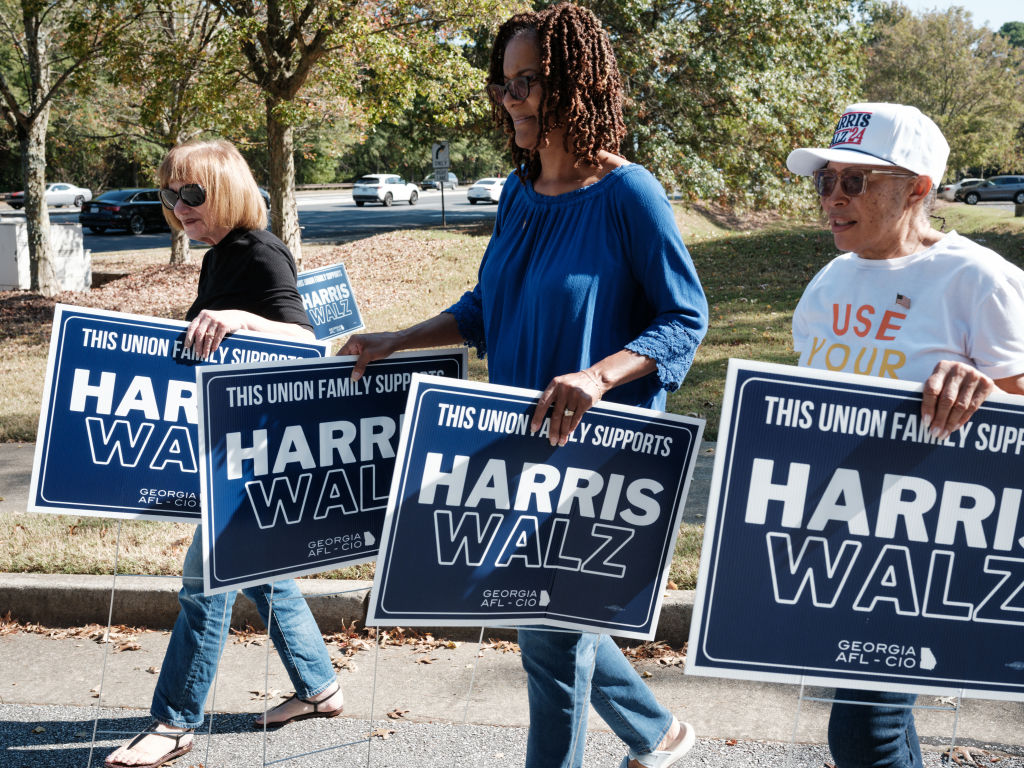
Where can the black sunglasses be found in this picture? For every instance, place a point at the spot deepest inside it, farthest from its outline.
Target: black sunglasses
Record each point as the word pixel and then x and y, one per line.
pixel 518 88
pixel 191 195
pixel 852 181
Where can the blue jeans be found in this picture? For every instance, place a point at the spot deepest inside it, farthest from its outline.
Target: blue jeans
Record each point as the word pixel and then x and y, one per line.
pixel 874 736
pixel 566 672
pixel 201 630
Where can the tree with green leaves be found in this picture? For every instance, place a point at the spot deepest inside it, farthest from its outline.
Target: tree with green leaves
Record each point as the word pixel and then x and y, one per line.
pixel 969 81
pixel 368 59
pixel 1013 31
pixel 721 90
pixel 178 62
pixel 46 47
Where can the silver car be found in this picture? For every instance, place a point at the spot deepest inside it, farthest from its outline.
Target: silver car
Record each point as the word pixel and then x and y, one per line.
pixel 58 193
pixel 995 188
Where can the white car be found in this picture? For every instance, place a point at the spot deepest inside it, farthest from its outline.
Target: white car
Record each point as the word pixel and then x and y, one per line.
pixel 948 191
pixel 56 194
pixel 384 188
pixel 485 191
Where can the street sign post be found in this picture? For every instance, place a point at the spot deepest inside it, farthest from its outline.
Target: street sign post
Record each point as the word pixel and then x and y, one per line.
pixel 442 162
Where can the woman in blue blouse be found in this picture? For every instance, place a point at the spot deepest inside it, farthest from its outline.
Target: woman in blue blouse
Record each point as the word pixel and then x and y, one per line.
pixel 587 292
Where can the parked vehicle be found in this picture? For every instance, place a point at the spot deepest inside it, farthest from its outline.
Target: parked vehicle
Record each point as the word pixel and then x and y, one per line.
pixel 135 210
pixel 436 181
pixel 384 188
pixel 485 191
pixel 995 188
pixel 948 191
pixel 58 193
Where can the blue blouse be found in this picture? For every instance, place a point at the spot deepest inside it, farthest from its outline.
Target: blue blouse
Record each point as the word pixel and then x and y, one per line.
pixel 569 279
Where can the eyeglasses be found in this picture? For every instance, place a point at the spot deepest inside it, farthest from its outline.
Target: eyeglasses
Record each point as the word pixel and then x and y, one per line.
pixel 852 181
pixel 518 88
pixel 191 195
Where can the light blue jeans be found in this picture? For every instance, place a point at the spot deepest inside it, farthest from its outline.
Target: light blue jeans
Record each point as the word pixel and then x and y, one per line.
pixel 201 630
pixel 874 736
pixel 568 671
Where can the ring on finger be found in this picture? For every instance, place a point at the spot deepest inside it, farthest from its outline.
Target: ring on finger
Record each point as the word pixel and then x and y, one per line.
pixel 569 412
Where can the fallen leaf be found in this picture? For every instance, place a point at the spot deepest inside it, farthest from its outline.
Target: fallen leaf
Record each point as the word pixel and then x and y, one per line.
pixel 425 660
pixel 645 673
pixel 39 729
pixel 397 714
pixel 153 670
pixel 730 742
pixel 261 695
pixel 383 733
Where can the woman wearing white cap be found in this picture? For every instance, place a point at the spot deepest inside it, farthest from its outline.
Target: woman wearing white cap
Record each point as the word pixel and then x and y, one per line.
pixel 907 302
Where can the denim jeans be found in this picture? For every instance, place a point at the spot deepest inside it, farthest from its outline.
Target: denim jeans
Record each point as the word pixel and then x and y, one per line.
pixel 568 671
pixel 874 736
pixel 201 630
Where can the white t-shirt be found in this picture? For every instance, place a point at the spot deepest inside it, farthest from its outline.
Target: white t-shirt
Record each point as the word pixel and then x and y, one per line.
pixel 897 318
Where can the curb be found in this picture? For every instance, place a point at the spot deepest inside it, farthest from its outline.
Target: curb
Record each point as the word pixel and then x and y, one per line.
pixel 60 600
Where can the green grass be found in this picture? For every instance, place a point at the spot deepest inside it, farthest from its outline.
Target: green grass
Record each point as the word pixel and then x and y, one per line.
pixel 753 277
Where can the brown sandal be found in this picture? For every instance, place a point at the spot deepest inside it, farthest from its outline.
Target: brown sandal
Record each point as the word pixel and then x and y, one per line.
pixel 178 750
pixel 305 715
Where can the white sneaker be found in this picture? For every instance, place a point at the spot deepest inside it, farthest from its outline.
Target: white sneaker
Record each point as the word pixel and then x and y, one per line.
pixel 665 758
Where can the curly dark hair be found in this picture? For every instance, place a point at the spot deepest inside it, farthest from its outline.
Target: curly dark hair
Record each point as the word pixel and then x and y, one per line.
pixel 580 77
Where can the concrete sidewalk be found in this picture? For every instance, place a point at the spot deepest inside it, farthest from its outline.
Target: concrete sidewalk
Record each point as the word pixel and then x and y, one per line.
pixel 54 682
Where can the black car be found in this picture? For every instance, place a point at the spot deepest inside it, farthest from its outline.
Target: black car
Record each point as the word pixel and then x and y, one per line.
pixel 436 181
pixel 133 209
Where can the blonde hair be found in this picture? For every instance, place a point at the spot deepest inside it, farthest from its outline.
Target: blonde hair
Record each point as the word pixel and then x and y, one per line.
pixel 231 192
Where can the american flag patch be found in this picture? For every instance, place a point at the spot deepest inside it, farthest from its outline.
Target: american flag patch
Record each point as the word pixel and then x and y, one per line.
pixel 903 301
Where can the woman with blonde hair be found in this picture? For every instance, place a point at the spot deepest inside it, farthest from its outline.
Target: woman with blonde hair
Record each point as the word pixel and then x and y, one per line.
pixel 247 282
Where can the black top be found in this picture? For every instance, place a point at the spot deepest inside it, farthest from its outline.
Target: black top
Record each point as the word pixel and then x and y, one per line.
pixel 250 269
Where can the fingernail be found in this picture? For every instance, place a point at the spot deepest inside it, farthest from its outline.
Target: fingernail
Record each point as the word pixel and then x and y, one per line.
pixel 926 420
pixel 935 432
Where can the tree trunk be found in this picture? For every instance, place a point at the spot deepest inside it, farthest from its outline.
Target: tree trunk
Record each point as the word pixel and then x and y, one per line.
pixel 180 252
pixel 37 218
pixel 33 148
pixel 284 212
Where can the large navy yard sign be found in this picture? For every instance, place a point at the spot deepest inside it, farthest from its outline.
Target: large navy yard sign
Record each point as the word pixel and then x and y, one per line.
pixel 297 461
pixel 329 301
pixel 117 429
pixel 846 546
pixel 488 524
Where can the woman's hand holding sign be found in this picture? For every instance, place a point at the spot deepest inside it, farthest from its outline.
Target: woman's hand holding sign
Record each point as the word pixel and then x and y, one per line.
pixel 571 395
pixel 952 394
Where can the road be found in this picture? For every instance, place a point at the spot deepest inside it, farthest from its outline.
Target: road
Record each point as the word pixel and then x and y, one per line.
pixel 328 217
pixel 323 216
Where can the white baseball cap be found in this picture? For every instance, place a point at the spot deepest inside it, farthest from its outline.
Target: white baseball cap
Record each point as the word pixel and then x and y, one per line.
pixel 880 134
